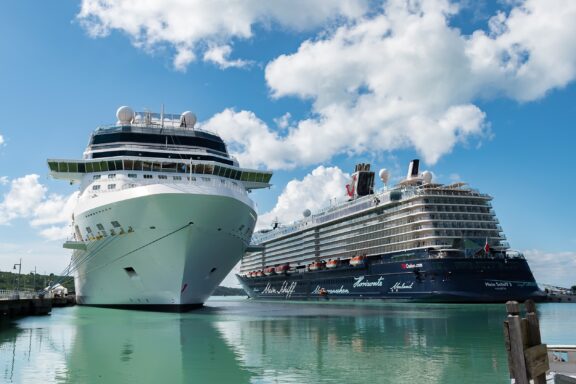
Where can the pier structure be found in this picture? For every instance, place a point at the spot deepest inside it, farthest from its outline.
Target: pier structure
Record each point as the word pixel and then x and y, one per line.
pixel 14 303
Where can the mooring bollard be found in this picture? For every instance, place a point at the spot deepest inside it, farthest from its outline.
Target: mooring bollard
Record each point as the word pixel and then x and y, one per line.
pixel 527 356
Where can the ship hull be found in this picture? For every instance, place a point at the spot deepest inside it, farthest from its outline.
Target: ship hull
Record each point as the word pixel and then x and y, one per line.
pixel 170 252
pixel 444 280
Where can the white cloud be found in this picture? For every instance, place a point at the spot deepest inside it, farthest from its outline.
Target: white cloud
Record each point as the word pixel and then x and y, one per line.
pixel 55 209
pixel 28 199
pixel 4 180
pixel 189 26
pixel 313 192
pixel 554 268
pixel 2 141
pixel 219 55
pixel 24 196
pixel 401 77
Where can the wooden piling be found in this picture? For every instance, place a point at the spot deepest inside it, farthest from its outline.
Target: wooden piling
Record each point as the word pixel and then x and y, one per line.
pixel 527 356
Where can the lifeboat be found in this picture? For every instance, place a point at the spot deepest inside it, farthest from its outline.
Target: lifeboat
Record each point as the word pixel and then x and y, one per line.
pixel 282 269
pixel 332 263
pixel 259 273
pixel 317 265
pixel 269 271
pixel 357 261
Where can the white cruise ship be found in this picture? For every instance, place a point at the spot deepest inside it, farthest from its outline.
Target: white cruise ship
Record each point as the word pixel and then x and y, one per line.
pixel 163 213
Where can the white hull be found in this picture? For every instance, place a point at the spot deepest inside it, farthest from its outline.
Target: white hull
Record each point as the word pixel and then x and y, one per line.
pixel 172 249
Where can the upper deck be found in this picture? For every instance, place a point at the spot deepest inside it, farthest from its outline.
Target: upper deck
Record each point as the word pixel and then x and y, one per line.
pixel 157 135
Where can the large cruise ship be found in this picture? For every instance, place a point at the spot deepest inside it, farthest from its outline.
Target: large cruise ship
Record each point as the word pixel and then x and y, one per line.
pixel 163 212
pixel 416 241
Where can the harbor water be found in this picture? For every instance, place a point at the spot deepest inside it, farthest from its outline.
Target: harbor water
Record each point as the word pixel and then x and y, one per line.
pixel 233 340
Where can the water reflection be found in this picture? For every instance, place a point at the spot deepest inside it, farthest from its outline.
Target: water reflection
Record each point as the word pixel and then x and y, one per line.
pixel 91 345
pixel 259 342
pixel 359 344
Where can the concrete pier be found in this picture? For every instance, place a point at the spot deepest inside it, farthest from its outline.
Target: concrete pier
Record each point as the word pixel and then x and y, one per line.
pixel 25 303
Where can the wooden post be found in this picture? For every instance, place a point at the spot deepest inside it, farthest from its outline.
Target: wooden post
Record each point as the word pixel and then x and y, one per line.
pixel 534 341
pixel 513 328
pixel 527 356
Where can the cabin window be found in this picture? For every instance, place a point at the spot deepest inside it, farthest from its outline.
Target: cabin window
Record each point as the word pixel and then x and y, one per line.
pixel 132 175
pixel 147 176
pixel 162 177
pixel 95 187
pixel 177 177
pixel 112 176
pixel 111 186
pixel 115 224
pixel 100 227
pixel 88 230
pixel 96 177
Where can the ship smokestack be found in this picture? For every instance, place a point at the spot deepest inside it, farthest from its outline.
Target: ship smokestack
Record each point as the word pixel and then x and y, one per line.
pixel 413 169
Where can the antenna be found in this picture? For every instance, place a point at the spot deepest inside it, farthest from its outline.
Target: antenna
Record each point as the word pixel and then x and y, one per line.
pixel 162 116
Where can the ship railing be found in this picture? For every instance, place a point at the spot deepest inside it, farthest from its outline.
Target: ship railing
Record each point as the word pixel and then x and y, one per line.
pixel 151 121
pixel 180 184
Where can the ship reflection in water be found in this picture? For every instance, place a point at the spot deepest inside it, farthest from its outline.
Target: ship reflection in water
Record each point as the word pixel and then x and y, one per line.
pixel 261 342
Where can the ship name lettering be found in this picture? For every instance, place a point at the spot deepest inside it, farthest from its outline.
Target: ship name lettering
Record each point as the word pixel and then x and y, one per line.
pixel 360 282
pixel 285 289
pixel 398 286
pixel 340 290
pixel 498 284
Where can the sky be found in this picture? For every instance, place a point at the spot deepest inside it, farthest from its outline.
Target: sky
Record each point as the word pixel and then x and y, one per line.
pixel 481 91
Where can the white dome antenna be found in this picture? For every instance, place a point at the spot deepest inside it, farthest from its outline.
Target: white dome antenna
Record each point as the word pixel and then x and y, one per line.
pixel 306 213
pixel 125 115
pixel 384 175
pixel 187 120
pixel 427 177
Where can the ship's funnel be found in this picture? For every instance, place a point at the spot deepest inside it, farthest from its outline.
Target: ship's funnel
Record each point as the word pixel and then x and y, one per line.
pixel 413 169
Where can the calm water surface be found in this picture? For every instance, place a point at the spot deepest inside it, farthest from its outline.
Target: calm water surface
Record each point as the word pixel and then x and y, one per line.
pixel 239 341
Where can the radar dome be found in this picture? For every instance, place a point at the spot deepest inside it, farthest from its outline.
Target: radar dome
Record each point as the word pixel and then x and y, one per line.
pixel 125 115
pixel 188 119
pixel 306 213
pixel 384 175
pixel 427 177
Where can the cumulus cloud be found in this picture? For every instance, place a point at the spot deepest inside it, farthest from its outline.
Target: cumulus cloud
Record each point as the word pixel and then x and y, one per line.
pixel 25 194
pixel 313 192
pixel 29 199
pixel 2 141
pixel 219 55
pixel 190 26
pixel 397 75
pixel 554 268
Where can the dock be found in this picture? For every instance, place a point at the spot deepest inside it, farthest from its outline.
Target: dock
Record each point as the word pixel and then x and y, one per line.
pixel 28 303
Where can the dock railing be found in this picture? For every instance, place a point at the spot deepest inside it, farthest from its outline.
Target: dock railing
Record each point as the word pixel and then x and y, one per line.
pixel 7 294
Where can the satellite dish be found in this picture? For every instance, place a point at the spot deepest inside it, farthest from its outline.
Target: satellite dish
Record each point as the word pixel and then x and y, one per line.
pixel 125 115
pixel 384 175
pixel 306 213
pixel 427 177
pixel 187 119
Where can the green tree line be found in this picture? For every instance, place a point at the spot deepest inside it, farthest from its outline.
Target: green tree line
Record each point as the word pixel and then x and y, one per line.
pixel 32 281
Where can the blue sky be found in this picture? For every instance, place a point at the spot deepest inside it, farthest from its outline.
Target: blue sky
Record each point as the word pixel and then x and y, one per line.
pixel 482 93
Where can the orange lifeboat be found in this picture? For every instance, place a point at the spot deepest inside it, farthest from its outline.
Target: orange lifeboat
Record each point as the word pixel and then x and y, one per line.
pixel 357 261
pixel 332 263
pixel 282 269
pixel 269 271
pixel 317 265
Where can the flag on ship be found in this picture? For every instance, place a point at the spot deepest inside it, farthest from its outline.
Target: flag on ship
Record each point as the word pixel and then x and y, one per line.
pixel 486 246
